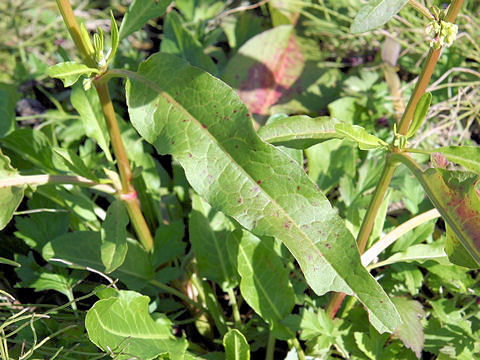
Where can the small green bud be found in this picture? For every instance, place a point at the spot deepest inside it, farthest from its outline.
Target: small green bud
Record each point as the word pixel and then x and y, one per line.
pixel 441 33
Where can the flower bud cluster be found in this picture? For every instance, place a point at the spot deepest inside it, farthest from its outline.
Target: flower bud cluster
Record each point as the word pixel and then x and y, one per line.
pixel 442 33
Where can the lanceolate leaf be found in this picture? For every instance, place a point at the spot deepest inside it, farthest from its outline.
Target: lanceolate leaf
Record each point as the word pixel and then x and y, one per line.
pixel 69 72
pixel 299 132
pixel 265 283
pixel 10 197
pixel 88 106
pixel 420 113
pixel 236 346
pixel 139 12
pixel 455 196
pixel 375 13
pixel 186 112
pixel 358 134
pixel 210 247
pixel 114 236
pixel 122 324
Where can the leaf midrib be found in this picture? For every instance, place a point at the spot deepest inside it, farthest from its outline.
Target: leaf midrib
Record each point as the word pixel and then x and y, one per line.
pixel 233 161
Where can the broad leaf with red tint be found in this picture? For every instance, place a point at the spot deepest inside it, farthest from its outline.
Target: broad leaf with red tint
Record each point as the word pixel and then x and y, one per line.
pixel 273 68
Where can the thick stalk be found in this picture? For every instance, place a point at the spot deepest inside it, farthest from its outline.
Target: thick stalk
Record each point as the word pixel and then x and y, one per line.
pixel 129 195
pixel 128 191
pixel 74 30
pixel 270 346
pixel 387 174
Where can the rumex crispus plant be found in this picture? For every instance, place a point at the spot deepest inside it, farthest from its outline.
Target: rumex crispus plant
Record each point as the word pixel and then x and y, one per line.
pixel 260 232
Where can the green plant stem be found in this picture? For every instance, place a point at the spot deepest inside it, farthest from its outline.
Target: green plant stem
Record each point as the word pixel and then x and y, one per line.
pixel 270 346
pixel 74 30
pixel 298 347
pixel 131 202
pixel 235 310
pixel 394 235
pixel 421 9
pixel 128 190
pixel 38 180
pixel 387 174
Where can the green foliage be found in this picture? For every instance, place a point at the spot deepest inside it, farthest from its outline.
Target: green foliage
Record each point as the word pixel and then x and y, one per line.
pixel 254 186
pixel 236 346
pixel 121 323
pixel 375 14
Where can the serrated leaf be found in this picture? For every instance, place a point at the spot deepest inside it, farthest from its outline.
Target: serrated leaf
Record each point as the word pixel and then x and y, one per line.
pixel 33 146
pixel 467 156
pixel 411 329
pixel 139 12
pixel 74 163
pixel 264 283
pixel 299 132
pixel 69 72
pixel 358 134
pixel 114 236
pixel 39 228
pixel 172 105
pixel 36 277
pixel 236 346
pixel 82 249
pixel 375 14
pixel 178 41
pixel 210 247
pixel 88 106
pixel 122 324
pixel 11 196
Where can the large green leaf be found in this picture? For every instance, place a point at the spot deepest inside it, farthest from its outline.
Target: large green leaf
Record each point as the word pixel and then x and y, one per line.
pixel 122 324
pixel 173 106
pixel 456 198
pixel 88 106
pixel 299 132
pixel 114 236
pixel 265 283
pixel 236 346
pixel 375 13
pixel 10 197
pixel 139 12
pixel 208 239
pixel 278 68
pixel 82 249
